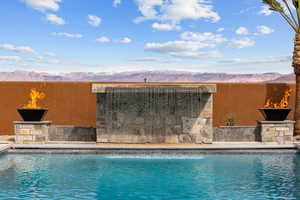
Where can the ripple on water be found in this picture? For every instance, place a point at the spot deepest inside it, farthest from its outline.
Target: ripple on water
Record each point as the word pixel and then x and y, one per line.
pixel 155 156
pixel 150 176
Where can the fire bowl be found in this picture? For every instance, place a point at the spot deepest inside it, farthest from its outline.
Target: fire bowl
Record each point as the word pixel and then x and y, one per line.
pixel 32 114
pixel 275 114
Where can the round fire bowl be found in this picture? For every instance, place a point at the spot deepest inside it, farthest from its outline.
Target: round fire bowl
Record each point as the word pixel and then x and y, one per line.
pixel 32 114
pixel 275 114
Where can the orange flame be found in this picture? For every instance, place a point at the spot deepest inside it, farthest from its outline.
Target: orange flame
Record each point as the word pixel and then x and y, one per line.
pixel 284 102
pixel 34 97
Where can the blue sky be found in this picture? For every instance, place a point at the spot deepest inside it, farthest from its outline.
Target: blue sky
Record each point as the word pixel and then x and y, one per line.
pixel 136 35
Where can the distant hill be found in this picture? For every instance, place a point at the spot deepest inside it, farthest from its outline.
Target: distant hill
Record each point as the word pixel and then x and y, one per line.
pixel 152 76
pixel 285 78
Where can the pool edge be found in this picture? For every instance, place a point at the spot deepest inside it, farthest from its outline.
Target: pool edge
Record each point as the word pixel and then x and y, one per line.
pixel 104 149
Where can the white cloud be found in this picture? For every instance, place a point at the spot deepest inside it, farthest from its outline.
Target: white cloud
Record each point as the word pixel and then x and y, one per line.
pixel 199 54
pixel 189 45
pixel 94 20
pixel 176 10
pixel 68 35
pixel 154 59
pixel 165 27
pixel 20 49
pixel 258 60
pixel 43 5
pixel 103 39
pixel 10 58
pixel 54 19
pixel 242 31
pixel 220 30
pixel 40 58
pixel 265 10
pixel 125 40
pixel 263 30
pixel 187 49
pixel 116 3
pixel 207 37
pixel 147 9
pixel 51 54
pixel 175 46
pixel 242 43
pixel 145 59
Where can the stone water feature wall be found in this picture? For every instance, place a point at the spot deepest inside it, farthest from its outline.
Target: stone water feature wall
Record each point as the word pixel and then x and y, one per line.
pixel 154 113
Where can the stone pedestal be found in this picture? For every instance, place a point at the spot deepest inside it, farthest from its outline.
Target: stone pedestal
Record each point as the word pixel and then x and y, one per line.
pixel 279 132
pixel 31 132
pixel 154 113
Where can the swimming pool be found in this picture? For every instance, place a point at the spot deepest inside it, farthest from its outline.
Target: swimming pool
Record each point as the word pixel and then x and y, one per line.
pixel 150 176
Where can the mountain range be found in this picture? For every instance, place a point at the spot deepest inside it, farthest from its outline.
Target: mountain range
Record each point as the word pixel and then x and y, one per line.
pixel 150 76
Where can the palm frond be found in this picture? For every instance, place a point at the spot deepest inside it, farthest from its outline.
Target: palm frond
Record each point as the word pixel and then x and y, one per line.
pixel 277 7
pixel 274 5
pixel 296 3
pixel 288 6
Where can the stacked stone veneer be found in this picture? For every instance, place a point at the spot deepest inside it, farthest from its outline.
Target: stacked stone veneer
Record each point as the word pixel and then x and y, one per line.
pixel 154 113
pixel 236 134
pixel 72 133
pixel 280 132
pixel 31 132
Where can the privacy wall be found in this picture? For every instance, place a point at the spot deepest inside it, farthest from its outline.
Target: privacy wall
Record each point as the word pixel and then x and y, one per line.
pixel 73 103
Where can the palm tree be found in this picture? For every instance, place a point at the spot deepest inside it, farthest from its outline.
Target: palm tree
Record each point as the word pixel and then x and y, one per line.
pixel 290 11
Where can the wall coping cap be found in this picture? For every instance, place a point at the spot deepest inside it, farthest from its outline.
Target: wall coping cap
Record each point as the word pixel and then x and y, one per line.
pixel 236 127
pixel 202 88
pixel 72 126
pixel 276 122
pixel 33 122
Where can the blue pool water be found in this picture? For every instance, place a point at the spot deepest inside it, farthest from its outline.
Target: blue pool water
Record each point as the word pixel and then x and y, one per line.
pixel 157 176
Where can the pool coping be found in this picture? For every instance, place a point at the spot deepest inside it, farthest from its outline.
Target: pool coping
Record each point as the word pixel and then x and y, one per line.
pixel 144 149
pixel 230 148
pixel 155 147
